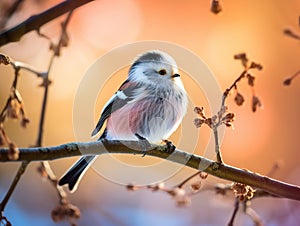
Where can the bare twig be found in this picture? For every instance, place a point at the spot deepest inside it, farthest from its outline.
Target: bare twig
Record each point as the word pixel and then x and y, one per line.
pixel 294 35
pixel 45 170
pixel 4 221
pixel 46 82
pixel 12 187
pixel 289 80
pixel 235 210
pixel 18 66
pixel 65 207
pixel 188 179
pixel 35 22
pixel 233 85
pixel 181 192
pixel 252 214
pixel 13 108
pixel 222 117
pixel 217 145
pixel 291 34
pixel 247 66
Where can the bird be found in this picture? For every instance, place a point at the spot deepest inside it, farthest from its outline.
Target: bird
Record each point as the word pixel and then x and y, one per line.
pixel 149 106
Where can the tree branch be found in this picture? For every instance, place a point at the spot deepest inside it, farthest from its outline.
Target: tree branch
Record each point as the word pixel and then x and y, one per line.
pixel 35 22
pixel 227 172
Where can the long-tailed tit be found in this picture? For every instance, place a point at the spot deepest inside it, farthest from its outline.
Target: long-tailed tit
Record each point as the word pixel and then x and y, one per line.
pixel 149 105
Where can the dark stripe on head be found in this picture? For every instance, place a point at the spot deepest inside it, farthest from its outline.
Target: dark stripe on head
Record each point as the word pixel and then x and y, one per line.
pixel 150 56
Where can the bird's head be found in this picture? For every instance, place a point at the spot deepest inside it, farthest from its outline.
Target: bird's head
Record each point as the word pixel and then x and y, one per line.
pixel 154 67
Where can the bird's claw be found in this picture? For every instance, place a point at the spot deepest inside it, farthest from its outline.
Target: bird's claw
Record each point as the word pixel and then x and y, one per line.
pixel 170 146
pixel 144 143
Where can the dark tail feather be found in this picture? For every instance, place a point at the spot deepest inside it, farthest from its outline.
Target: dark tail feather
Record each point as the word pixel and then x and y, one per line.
pixel 74 174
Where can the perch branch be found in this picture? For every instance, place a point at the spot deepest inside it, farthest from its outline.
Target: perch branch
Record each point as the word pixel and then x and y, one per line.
pixel 225 171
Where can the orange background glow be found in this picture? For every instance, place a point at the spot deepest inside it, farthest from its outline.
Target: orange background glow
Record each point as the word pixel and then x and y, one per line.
pixel 257 142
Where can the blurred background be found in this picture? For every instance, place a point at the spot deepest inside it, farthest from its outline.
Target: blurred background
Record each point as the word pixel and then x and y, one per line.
pixel 257 142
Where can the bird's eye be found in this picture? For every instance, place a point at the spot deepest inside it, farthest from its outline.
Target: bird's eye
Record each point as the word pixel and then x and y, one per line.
pixel 162 72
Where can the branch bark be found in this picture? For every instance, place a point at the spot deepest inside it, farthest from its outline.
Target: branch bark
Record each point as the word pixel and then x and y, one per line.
pixel 35 22
pixel 223 171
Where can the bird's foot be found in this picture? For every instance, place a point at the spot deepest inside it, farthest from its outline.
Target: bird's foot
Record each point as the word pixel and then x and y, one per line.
pixel 144 143
pixel 170 146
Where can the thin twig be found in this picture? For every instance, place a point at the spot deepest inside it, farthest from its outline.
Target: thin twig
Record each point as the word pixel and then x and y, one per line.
pixel 289 80
pixel 217 145
pixel 45 166
pixel 27 67
pixel 222 116
pixel 13 88
pixel 295 75
pixel 235 210
pixel 46 83
pixel 252 214
pixel 13 185
pixel 217 121
pixel 3 112
pixel 220 119
pixel 233 85
pixel 291 34
pixel 188 179
pixel 52 177
pixel 17 66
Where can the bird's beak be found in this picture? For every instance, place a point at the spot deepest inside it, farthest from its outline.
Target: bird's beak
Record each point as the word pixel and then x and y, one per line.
pixel 175 75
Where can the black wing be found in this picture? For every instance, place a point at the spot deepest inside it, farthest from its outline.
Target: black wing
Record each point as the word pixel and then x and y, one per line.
pixel 120 98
